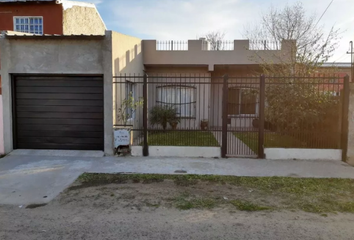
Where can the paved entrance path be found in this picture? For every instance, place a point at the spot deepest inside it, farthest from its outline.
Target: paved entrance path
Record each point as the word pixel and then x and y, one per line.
pixel 26 179
pixel 235 147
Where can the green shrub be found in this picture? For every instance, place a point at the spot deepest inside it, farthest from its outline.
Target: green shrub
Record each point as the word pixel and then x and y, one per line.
pixel 161 115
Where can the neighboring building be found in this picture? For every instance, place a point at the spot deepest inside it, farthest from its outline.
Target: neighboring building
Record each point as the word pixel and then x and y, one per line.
pixel 50 17
pixel 340 68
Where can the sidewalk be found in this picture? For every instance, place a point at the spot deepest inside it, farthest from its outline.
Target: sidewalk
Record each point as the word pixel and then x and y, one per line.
pixel 26 179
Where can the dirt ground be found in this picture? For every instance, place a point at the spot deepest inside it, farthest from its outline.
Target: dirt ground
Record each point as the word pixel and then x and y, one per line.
pixel 166 210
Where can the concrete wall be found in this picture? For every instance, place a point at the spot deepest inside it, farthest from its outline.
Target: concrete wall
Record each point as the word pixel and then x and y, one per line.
pixel 1 128
pixel 56 56
pixel 167 151
pixel 82 20
pixel 350 153
pixel 127 58
pixel 196 56
pixel 303 154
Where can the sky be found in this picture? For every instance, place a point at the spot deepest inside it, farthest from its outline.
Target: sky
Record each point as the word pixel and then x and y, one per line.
pixel 190 19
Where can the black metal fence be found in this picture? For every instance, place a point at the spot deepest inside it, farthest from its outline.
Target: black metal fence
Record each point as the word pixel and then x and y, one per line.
pixel 242 115
pixel 219 45
pixel 264 45
pixel 172 45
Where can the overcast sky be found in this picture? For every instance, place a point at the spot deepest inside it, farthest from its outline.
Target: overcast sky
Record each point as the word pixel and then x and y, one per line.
pixel 188 19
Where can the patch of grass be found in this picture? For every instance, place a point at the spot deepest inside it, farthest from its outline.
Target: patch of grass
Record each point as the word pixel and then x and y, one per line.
pixel 271 140
pixel 307 194
pixel 148 204
pixel 248 206
pixel 200 203
pixel 181 181
pixel 182 138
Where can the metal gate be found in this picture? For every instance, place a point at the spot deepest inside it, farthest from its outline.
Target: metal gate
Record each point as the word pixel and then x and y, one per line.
pixel 284 112
pixel 241 116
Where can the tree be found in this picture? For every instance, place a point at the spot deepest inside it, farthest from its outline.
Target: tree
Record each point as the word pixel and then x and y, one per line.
pixel 293 101
pixel 215 40
pixel 311 46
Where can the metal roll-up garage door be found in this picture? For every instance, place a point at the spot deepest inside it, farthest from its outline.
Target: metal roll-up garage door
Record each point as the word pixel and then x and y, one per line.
pixel 61 112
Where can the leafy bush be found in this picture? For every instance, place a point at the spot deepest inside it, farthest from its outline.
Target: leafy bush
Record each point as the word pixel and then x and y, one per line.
pixel 128 108
pixel 161 115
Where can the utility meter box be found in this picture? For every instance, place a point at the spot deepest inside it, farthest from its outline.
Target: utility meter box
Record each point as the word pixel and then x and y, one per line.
pixel 122 140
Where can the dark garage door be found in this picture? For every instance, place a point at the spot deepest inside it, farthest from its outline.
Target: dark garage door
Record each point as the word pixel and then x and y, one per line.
pixel 63 112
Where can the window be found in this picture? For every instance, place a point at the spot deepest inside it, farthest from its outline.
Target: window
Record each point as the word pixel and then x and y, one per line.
pixel 130 92
pixel 242 101
pixel 29 25
pixel 182 98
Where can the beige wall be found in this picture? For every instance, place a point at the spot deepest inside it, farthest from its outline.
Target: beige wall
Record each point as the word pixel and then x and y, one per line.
pixel 127 59
pixel 196 56
pixel 43 55
pixel 82 20
pixel 1 129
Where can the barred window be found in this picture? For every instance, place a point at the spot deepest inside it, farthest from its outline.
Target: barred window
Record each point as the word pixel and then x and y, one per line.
pixel 32 25
pixel 180 97
pixel 242 101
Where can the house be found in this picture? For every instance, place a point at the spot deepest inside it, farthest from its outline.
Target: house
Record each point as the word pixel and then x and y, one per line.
pixel 47 17
pixel 58 95
pixel 340 68
pixel 66 91
pixel 50 17
pixel 196 61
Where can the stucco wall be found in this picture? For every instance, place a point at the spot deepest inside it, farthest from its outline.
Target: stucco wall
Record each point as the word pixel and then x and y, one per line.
pixel 1 128
pixel 56 56
pixel 350 153
pixel 82 20
pixel 127 59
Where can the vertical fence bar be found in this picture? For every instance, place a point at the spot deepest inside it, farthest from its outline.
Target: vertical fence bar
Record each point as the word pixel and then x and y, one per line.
pixel 145 117
pixel 224 117
pixel 261 118
pixel 345 109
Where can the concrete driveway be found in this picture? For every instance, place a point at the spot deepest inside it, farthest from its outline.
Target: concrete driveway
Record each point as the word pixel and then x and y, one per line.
pixel 35 177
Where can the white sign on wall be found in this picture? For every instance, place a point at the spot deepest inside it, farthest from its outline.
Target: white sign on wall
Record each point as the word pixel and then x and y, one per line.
pixel 121 137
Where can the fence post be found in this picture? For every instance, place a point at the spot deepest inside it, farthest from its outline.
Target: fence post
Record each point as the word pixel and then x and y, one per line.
pixel 345 109
pixel 145 117
pixel 261 117
pixel 224 117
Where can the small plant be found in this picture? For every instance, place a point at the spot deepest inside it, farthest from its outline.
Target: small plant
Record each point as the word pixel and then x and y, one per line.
pixel 174 121
pixel 128 108
pixel 161 115
pixel 248 206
